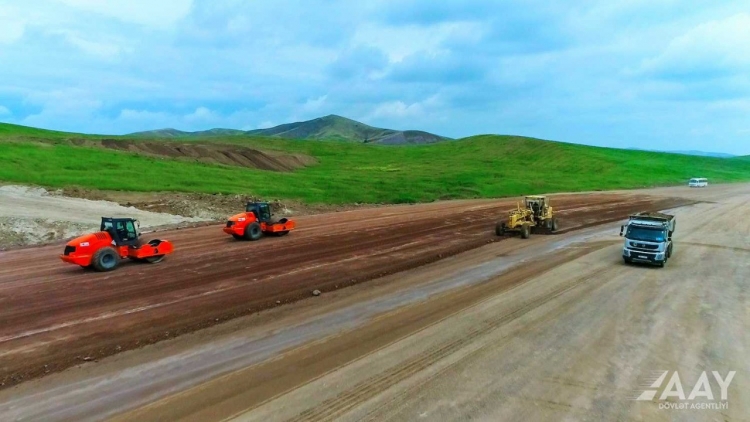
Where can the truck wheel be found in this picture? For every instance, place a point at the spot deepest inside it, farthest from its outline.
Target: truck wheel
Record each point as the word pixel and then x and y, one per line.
pixel 500 229
pixel 554 224
pixel 105 259
pixel 628 261
pixel 253 231
pixel 525 231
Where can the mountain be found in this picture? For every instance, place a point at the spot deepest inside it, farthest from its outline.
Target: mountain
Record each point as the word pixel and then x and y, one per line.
pixel 337 127
pixel 328 127
pixel 691 152
pixel 705 154
pixel 174 133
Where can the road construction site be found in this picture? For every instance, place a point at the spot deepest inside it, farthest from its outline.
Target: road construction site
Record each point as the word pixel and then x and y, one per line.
pixel 423 312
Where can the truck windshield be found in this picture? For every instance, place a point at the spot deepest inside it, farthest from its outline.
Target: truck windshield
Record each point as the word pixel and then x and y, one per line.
pixel 645 234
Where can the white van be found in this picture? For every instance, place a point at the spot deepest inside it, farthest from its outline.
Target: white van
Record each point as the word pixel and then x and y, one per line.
pixel 698 182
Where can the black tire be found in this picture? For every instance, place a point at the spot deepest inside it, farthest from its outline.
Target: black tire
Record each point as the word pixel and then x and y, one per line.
pixel 525 231
pixel 154 259
pixel 253 231
pixel 105 259
pixel 628 261
pixel 553 225
pixel 500 229
pixel 282 233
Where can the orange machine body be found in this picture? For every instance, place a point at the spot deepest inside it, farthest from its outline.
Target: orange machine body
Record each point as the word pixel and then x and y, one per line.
pixel 256 221
pixel 83 249
pixel 237 224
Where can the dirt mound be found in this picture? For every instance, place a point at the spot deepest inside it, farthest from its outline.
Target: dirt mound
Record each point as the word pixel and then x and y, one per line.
pixel 206 206
pixel 30 215
pixel 231 155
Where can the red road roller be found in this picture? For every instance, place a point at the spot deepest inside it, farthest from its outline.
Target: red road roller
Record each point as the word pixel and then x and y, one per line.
pixel 257 221
pixel 117 239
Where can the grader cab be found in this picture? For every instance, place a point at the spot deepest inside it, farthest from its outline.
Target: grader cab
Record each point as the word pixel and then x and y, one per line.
pixel 535 212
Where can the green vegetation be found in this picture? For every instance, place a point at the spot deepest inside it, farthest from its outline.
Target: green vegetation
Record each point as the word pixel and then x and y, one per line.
pixel 8 131
pixel 481 166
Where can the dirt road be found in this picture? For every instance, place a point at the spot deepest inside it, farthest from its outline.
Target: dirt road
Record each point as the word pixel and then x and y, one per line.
pixel 55 315
pixel 539 328
pixel 576 342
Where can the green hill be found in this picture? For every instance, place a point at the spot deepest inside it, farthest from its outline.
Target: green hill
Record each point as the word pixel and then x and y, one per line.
pixel 346 172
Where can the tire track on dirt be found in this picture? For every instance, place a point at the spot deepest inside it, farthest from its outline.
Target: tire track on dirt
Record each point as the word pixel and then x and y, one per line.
pixel 361 392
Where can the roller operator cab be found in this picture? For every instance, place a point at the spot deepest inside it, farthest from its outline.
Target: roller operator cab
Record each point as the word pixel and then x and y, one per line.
pixel 256 221
pixel 117 239
pixel 648 238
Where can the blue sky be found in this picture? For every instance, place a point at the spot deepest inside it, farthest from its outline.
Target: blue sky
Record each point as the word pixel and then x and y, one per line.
pixel 661 74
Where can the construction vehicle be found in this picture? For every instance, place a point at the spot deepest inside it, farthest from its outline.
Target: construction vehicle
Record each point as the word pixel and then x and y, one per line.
pixel 648 238
pixel 117 239
pixel 535 213
pixel 255 222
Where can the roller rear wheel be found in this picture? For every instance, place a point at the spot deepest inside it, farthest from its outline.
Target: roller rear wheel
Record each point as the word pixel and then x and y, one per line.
pixel 105 259
pixel 253 231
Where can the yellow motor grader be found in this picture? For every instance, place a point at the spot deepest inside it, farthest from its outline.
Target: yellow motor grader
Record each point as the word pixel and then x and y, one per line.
pixel 535 212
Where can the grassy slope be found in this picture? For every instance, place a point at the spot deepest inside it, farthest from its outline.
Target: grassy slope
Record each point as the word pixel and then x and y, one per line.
pixel 481 166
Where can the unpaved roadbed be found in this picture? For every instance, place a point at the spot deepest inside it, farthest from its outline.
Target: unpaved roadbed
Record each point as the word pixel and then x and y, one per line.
pixel 574 335
pixel 49 323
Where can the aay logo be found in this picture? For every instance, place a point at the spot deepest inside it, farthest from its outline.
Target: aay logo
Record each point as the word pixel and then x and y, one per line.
pixel 674 389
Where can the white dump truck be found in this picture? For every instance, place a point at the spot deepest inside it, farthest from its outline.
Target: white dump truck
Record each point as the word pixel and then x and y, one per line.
pixel 648 238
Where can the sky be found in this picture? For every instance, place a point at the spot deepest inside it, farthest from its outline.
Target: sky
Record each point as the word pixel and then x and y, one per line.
pixel 654 74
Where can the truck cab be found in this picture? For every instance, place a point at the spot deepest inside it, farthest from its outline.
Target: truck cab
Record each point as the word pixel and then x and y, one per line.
pixel 648 238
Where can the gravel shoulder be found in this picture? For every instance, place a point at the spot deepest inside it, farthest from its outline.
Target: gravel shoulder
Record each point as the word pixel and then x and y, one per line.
pixel 32 215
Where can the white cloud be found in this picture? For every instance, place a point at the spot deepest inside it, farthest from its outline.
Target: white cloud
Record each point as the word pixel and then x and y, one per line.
pixel 402 110
pixel 714 45
pixel 140 115
pixel 315 104
pixel 397 109
pixel 202 114
pixel 66 105
pixel 99 49
pixel 160 13
pixel 11 26
pixel 401 41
